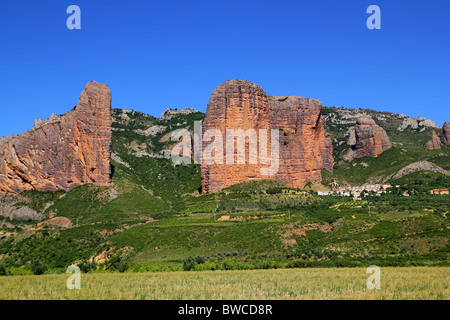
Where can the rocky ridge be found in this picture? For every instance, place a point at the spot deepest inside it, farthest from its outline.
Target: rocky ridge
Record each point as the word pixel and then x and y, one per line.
pixel 416 123
pixel 169 113
pixel 417 166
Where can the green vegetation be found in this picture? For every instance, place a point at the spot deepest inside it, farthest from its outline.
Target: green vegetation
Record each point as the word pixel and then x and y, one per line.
pixel 153 217
pixel 362 170
pixel 306 231
pixel 408 147
pixel 411 283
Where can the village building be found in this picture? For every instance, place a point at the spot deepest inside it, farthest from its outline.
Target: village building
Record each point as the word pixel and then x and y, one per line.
pixel 439 191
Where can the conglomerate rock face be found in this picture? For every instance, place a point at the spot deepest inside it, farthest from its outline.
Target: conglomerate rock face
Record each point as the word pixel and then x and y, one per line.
pixel 64 151
pixel 304 149
pixel 434 143
pixel 446 132
pixel 369 139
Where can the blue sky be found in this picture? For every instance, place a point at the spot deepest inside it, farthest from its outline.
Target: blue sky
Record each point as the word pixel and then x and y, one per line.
pixel 160 54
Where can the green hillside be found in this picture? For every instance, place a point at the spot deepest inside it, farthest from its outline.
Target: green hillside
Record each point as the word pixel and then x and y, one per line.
pixel 153 217
pixel 407 147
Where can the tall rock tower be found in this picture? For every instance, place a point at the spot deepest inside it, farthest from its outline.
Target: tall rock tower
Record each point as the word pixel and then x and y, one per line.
pixel 62 152
pixel 446 133
pixel 304 148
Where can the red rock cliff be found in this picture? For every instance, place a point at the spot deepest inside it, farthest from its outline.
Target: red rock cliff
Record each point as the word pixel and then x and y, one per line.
pixel 370 139
pixel 434 143
pixel 446 133
pixel 64 151
pixel 304 148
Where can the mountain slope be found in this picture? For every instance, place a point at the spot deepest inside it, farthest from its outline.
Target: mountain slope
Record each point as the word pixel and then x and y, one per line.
pixel 152 216
pixel 408 145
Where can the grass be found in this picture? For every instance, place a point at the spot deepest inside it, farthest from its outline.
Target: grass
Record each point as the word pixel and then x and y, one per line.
pixel 345 283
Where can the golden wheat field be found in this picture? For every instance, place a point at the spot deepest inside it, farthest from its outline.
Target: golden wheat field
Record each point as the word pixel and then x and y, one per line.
pixel 345 283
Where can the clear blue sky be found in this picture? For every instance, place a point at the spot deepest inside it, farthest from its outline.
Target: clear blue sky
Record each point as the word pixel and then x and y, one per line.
pixel 160 54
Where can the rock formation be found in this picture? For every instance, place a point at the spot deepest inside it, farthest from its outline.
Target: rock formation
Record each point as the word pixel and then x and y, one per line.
pixel 61 222
pixel 304 149
pixel 415 167
pixel 368 139
pixel 416 123
pixel 19 213
pixel 446 133
pixel 434 143
pixel 169 113
pixel 64 151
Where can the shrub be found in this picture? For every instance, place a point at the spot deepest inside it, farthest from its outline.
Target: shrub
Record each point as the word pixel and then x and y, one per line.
pixel 228 265
pixel 2 270
pixel 87 266
pixel 206 266
pixel 38 267
pixel 123 266
pixel 269 264
pixel 200 259
pixel 189 264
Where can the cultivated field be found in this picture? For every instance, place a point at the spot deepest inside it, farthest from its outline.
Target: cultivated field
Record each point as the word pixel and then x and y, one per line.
pixel 345 283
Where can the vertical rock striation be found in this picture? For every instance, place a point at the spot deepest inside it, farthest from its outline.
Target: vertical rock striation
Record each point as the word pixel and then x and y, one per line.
pixel 304 149
pixel 64 151
pixel 434 143
pixel 235 104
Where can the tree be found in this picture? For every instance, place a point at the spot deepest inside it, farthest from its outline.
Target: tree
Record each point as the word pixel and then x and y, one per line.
pixel 38 267
pixel 2 270
pixel 189 264
pixel 123 266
